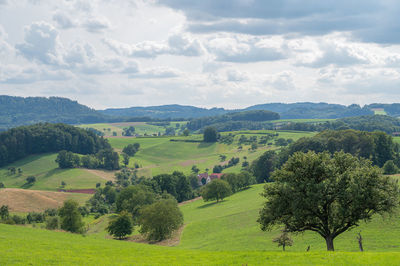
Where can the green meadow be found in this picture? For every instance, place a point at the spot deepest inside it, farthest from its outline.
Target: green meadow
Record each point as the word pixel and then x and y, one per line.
pixel 161 155
pixel 232 225
pixel 141 128
pixel 32 246
pixel 48 175
pixel 215 234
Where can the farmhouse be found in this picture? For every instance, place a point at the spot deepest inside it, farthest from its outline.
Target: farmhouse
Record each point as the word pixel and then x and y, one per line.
pixel 204 178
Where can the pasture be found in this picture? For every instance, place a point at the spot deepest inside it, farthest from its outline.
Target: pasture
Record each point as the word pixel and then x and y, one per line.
pixel 161 155
pixel 232 225
pixel 33 246
pixel 141 128
pixel 49 176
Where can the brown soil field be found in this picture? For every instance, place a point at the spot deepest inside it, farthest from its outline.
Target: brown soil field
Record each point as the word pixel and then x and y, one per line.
pixel 23 200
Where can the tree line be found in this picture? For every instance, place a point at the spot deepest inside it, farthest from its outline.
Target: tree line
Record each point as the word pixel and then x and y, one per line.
pixel 20 142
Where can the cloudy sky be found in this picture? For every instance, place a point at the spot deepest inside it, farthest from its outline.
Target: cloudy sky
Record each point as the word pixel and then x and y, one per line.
pixel 224 53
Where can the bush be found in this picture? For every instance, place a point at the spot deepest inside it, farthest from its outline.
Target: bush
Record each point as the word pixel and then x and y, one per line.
pixel 18 219
pixel 2 185
pixel 35 217
pixel 160 219
pixel 52 223
pixel 389 168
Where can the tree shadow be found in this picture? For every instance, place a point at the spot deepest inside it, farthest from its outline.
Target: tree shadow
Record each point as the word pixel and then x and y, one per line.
pixel 209 204
pixel 27 185
pixel 54 171
pixel 205 145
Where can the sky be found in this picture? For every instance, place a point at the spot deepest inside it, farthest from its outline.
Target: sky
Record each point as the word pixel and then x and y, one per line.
pixel 208 53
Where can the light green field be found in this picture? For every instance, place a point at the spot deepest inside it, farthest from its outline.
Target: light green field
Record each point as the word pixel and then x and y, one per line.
pixel 379 111
pixel 48 175
pixel 141 128
pixel 32 246
pixel 231 225
pixel 160 155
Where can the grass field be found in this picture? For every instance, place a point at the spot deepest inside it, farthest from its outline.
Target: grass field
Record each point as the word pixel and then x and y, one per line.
pixel 141 128
pixel 49 176
pixel 32 246
pixel 379 111
pixel 161 155
pixel 231 225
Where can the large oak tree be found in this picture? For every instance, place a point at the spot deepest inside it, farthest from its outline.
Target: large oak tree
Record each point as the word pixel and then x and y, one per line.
pixel 327 194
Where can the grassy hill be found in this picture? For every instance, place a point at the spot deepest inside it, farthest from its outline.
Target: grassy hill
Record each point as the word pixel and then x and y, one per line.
pixel 49 176
pixel 224 233
pixel 231 225
pixel 32 246
pixel 161 155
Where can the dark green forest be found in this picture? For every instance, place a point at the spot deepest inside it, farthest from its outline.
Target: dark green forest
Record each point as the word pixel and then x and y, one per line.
pixel 20 142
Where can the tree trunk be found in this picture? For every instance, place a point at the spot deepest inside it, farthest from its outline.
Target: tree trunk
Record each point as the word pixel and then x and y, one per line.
pixel 329 243
pixel 283 247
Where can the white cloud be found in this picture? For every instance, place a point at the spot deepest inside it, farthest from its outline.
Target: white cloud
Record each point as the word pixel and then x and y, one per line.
pixel 157 73
pixel 41 43
pixel 244 49
pixel 63 20
pixel 96 24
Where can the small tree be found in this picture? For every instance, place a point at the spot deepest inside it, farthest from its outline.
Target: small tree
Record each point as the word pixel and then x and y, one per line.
pixel 71 218
pixel 31 179
pixel 4 214
pixel 186 132
pixel 216 190
pixel 195 169
pixel 210 134
pixel 160 219
pixel 2 185
pixel 283 240
pixel 327 195
pixel 389 168
pixel 63 184
pixel 125 159
pixel 120 226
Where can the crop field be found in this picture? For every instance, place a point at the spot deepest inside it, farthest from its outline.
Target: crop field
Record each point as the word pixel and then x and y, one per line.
pixel 49 176
pixel 24 200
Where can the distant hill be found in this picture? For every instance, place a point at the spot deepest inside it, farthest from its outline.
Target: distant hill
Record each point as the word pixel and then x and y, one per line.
pixel 165 111
pixel 390 109
pixel 16 111
pixel 307 110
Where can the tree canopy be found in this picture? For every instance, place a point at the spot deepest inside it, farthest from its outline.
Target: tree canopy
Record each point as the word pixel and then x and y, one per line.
pixel 216 190
pixel 71 218
pixel 121 226
pixel 210 134
pixel 160 219
pixel 327 194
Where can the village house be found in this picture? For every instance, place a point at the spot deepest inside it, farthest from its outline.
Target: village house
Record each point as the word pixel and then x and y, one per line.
pixel 204 178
